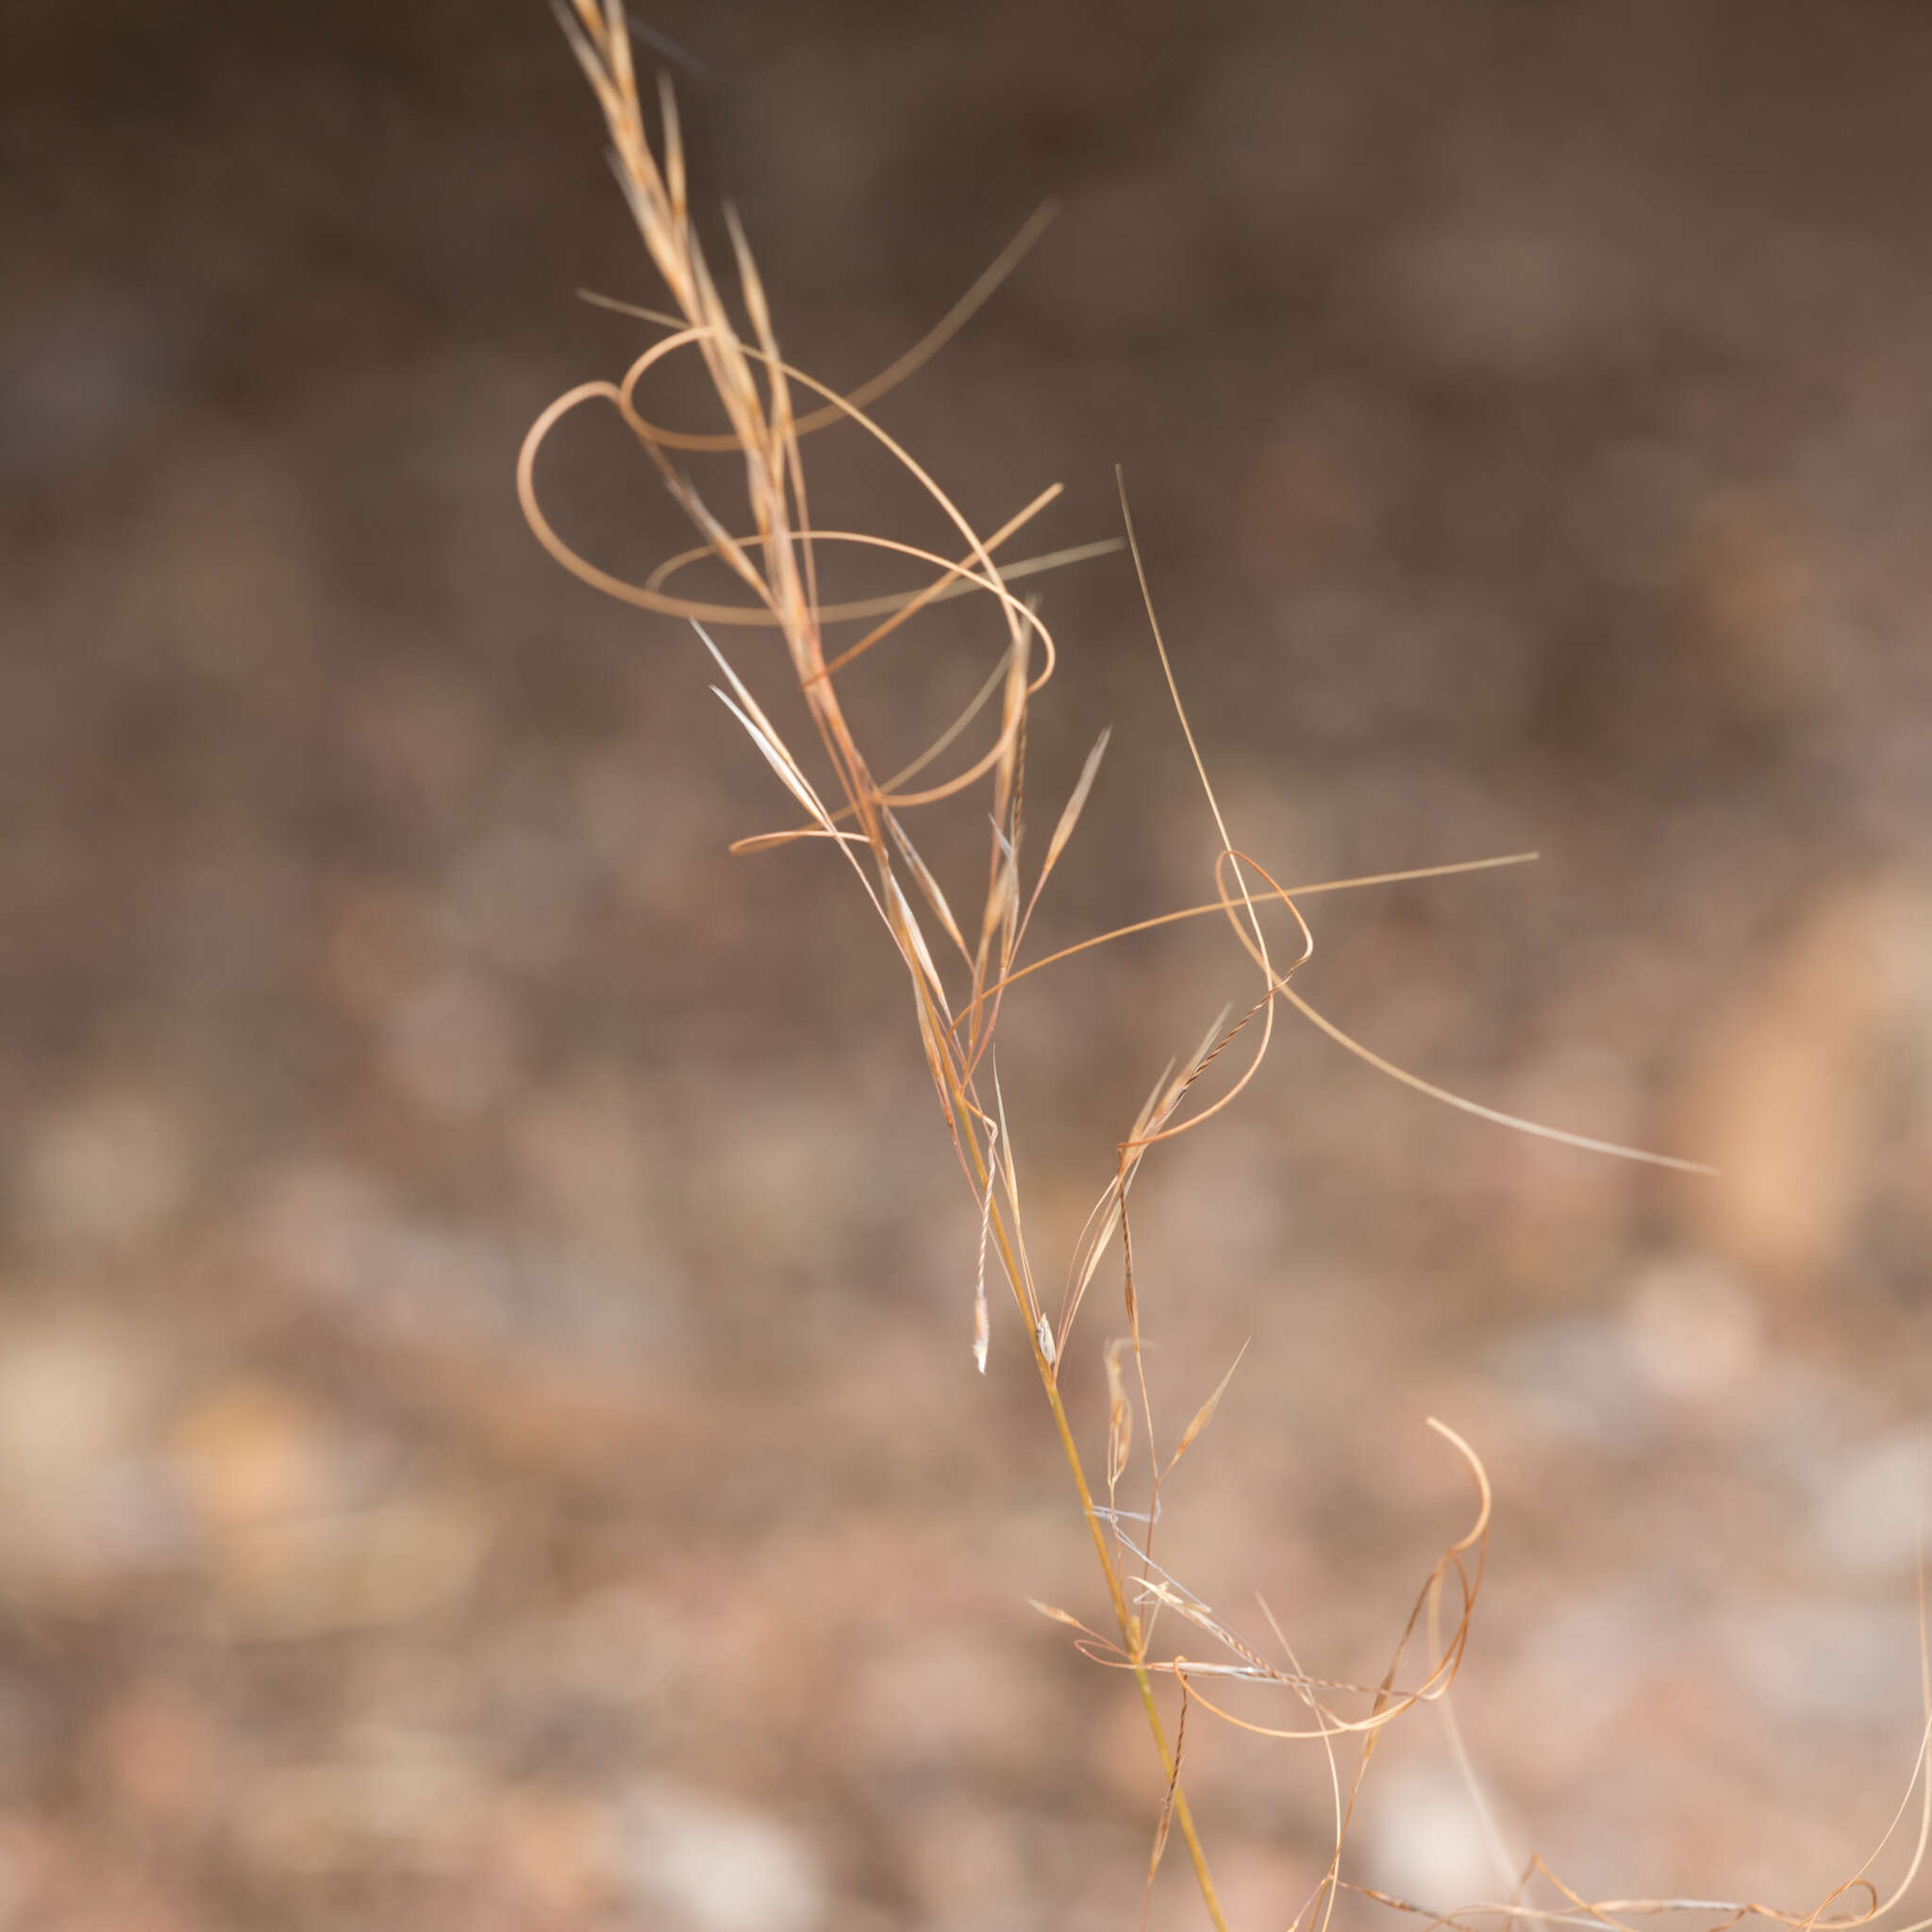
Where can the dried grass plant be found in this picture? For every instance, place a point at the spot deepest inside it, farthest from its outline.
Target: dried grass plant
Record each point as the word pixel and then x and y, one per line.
pixel 962 968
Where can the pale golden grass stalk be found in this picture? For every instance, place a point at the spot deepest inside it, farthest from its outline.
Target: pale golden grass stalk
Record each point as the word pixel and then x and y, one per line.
pixel 959 970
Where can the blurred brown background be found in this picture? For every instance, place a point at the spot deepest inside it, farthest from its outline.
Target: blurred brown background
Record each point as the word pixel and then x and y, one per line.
pixel 486 1435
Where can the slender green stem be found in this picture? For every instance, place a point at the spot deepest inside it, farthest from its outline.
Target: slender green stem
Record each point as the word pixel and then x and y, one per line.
pixel 1130 1634
pixel 1129 1624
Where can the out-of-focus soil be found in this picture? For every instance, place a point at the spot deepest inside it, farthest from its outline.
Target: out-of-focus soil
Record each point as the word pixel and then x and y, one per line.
pixel 487 1431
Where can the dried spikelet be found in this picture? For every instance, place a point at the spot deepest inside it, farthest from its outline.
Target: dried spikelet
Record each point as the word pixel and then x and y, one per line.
pixel 1167 1804
pixel 1069 814
pixel 1120 1417
pixel 1205 1414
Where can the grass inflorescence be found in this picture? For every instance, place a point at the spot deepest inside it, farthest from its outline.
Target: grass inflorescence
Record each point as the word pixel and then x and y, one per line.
pixel 964 955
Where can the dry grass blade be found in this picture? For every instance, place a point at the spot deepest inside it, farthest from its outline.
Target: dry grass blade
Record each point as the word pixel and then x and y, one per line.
pixel 958 580
pixel 1253 941
pixel 895 373
pixel 939 586
pixel 1534 1128
pixel 1225 907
